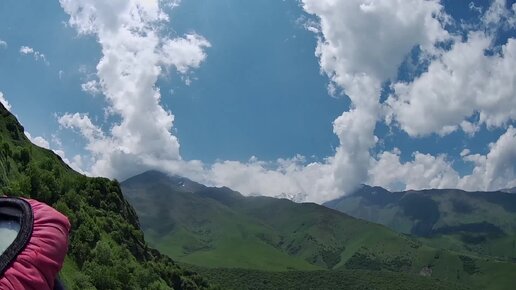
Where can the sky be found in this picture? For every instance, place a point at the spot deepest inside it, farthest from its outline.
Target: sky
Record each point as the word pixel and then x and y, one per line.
pixel 305 99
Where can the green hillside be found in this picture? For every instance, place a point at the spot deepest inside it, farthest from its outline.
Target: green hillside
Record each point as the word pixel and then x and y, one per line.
pixel 107 249
pixel 220 228
pixel 481 223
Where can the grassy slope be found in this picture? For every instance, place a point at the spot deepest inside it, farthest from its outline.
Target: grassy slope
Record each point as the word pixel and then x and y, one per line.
pixel 207 232
pixel 217 227
pixel 107 249
pixel 480 223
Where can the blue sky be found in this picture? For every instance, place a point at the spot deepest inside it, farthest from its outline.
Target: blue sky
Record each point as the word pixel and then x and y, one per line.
pixel 258 85
pixel 255 90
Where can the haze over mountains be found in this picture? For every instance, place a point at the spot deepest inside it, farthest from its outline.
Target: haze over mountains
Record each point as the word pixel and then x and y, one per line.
pixel 220 229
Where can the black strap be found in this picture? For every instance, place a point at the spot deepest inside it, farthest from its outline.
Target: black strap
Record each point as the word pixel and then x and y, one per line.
pixel 58 285
pixel 19 209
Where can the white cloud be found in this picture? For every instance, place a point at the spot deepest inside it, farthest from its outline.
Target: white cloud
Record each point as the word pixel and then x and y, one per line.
pixel 468 127
pixel 83 124
pixel 91 87
pixel 76 163
pixel 3 44
pixel 425 171
pixel 361 44
pixel 253 177
pixel 184 53
pixel 134 55
pixel 465 152
pixel 493 171
pixel 370 39
pixel 26 50
pixel 312 182
pixel 40 141
pixel 462 82
pixel 499 15
pixel 4 102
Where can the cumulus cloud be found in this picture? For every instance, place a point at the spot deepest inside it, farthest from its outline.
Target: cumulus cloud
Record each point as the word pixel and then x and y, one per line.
pixel 91 87
pixel 283 177
pixel 462 82
pixel 4 102
pixel 493 171
pixel 3 44
pixel 40 141
pixel 184 53
pixel 361 44
pixel 364 38
pixel 134 55
pixel 473 80
pixel 83 124
pixel 26 50
pixel 499 14
pixel 424 171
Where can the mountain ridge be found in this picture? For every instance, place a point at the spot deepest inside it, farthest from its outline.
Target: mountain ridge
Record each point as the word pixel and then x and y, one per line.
pixel 476 222
pixel 218 228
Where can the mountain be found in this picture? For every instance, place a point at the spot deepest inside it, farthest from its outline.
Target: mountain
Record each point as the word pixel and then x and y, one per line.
pixel 509 190
pixel 481 223
pixel 107 249
pixel 237 236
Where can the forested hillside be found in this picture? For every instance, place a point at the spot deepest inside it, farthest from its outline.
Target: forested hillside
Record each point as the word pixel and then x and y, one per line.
pixel 107 247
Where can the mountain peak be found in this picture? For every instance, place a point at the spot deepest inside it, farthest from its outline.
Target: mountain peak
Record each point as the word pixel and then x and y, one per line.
pixel 158 177
pixel 362 190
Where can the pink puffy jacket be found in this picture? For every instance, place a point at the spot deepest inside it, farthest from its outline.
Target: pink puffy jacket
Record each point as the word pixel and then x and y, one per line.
pixel 40 260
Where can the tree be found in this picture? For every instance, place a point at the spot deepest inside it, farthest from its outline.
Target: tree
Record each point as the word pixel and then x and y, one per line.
pixel 25 156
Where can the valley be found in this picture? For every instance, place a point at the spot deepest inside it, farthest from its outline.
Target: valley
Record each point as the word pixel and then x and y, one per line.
pixel 216 229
